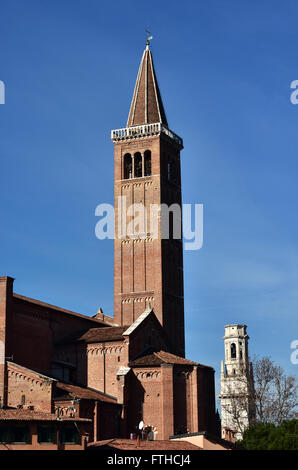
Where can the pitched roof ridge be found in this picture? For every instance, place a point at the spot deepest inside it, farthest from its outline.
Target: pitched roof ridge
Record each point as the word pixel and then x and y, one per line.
pixel 157 354
pixel 31 371
pixel 84 387
pixel 136 89
pixel 154 85
pixel 146 105
pixel 95 334
pixel 174 356
pixel 107 328
pixel 24 414
pixel 138 321
pixel 55 307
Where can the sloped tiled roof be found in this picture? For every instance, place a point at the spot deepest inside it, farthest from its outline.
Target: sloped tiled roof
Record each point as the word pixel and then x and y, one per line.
pixel 58 309
pixel 96 335
pixel 160 357
pixel 131 445
pixel 14 365
pixel 31 415
pixel 76 391
pixel 146 106
pixel 137 322
pixel 67 390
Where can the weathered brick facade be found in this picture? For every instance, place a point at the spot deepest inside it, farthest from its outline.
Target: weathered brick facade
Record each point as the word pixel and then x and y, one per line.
pixel 149 269
pixel 28 388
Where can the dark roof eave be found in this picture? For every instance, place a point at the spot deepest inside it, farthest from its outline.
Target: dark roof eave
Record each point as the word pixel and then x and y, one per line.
pixel 91 341
pixel 73 394
pixel 131 364
pixel 58 309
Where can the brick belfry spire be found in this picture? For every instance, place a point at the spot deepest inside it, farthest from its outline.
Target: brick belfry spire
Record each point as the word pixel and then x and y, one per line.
pixel 148 269
pixel 146 106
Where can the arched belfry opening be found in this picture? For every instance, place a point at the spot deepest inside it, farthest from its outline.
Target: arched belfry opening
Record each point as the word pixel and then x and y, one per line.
pixel 138 167
pixel 233 351
pixel 127 166
pixel 147 163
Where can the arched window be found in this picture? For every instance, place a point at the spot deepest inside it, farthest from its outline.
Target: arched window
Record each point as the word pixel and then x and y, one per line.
pixel 233 351
pixel 147 163
pixel 138 165
pixel 127 166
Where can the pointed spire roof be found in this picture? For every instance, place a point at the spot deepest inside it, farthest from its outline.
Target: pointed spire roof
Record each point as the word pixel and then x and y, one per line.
pixel 146 106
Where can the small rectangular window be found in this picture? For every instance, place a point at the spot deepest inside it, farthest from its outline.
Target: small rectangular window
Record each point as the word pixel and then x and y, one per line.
pixel 46 434
pixel 4 434
pixel 69 435
pixel 20 435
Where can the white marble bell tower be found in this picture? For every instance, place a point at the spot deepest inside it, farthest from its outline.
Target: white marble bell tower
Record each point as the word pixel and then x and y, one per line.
pixel 236 382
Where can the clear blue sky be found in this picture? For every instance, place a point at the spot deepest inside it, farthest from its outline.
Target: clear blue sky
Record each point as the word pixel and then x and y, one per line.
pixel 224 69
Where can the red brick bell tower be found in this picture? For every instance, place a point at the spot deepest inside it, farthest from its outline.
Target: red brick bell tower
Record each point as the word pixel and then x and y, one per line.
pixel 148 270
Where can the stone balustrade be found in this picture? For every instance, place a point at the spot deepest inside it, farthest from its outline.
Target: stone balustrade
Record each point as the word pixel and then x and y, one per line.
pixel 144 131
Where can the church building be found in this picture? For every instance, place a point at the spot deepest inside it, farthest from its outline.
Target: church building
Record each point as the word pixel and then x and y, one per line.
pixel 68 378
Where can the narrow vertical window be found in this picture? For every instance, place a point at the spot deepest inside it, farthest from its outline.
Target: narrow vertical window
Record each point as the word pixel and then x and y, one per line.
pixel 147 163
pixel 127 166
pixel 169 171
pixel 233 351
pixel 172 171
pixel 138 165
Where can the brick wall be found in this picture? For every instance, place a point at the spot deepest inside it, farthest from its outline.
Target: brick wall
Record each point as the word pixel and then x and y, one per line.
pixel 104 361
pixel 149 334
pixel 108 420
pixel 6 288
pixel 30 389
pixel 34 329
pixel 149 269
pixel 96 364
pixel 145 399
pixel 206 400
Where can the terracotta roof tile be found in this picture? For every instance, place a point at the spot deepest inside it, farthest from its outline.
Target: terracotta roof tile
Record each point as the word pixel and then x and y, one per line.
pixel 127 444
pixel 96 335
pixel 148 360
pixel 76 391
pixel 31 415
pixel 138 321
pixel 146 106
pixel 173 359
pixel 59 309
pixel 162 357
pixel 158 358
pixel 19 367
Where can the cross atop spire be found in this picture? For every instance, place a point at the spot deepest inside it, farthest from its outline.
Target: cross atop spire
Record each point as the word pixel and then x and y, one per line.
pixel 146 106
